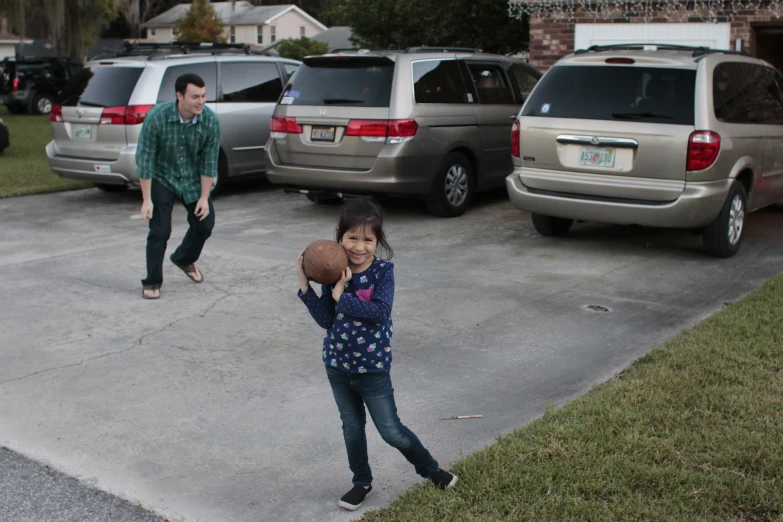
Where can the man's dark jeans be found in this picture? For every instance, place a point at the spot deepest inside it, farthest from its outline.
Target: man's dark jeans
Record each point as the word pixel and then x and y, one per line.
pixel 160 230
pixel 351 392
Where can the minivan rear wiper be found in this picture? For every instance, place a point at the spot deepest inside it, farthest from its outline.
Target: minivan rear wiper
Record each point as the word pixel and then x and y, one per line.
pixel 333 101
pixel 90 104
pixel 638 115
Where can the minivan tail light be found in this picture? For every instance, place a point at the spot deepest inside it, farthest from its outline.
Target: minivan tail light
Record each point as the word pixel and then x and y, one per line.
pixel 113 116
pixel 284 125
pixel 515 139
pixel 15 84
pixel 56 115
pixel 135 114
pixel 703 149
pixel 390 131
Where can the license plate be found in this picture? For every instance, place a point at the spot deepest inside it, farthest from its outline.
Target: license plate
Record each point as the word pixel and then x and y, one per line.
pixel 597 157
pixel 82 132
pixel 322 133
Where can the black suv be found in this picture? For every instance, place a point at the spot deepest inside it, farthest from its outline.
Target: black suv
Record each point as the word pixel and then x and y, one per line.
pixel 31 84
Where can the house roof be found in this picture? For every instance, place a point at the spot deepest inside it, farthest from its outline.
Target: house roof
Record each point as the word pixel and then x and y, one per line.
pixel 242 13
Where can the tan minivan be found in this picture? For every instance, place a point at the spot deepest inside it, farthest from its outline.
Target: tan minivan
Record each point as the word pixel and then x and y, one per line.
pixel 425 122
pixel 654 135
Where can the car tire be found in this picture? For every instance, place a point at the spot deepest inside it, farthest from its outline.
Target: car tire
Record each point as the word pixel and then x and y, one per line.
pixel 324 198
pixel 222 175
pixel 106 187
pixel 723 237
pixel 551 226
pixel 42 104
pixel 454 186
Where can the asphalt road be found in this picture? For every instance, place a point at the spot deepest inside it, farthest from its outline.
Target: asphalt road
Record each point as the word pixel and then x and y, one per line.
pixel 211 404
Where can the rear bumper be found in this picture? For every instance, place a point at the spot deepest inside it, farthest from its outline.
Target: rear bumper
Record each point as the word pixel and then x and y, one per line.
pixel 17 99
pixel 121 171
pixel 391 174
pixel 696 206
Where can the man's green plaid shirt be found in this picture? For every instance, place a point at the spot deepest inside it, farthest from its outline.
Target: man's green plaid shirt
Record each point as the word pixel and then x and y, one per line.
pixel 177 154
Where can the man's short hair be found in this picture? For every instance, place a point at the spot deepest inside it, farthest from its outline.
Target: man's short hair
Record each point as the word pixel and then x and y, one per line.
pixel 181 85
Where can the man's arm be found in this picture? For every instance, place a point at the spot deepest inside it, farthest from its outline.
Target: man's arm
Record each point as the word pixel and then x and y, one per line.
pixel 146 156
pixel 208 169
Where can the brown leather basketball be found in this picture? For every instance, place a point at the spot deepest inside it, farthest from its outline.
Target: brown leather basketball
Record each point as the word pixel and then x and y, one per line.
pixel 324 261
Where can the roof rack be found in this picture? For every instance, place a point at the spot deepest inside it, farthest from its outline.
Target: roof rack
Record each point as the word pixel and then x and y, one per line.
pixel 155 51
pixel 695 51
pixel 425 49
pixel 361 50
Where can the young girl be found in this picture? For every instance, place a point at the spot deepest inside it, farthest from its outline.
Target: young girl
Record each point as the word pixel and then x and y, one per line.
pixel 356 313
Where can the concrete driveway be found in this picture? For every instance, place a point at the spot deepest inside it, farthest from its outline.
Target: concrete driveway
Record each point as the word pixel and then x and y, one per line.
pixel 211 404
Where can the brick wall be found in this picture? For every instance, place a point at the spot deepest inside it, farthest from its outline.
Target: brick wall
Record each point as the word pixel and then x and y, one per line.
pixel 552 32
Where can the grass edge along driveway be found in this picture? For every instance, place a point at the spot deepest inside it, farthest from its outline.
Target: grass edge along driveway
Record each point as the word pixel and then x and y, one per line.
pixel 691 431
pixel 24 168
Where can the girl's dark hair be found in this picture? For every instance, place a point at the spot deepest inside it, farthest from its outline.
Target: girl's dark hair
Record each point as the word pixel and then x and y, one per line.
pixel 362 213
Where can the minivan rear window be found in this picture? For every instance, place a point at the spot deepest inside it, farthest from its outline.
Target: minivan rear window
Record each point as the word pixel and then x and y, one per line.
pixel 100 87
pixel 341 82
pixel 617 93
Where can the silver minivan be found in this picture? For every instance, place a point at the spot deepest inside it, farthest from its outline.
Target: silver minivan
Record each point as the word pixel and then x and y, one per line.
pixel 96 119
pixel 653 135
pixel 424 122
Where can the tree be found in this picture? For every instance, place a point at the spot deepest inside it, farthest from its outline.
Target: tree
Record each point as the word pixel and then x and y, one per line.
pixel 298 49
pixel 484 24
pixel 200 24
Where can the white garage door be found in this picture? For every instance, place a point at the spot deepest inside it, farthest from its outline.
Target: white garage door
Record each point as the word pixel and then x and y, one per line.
pixel 716 36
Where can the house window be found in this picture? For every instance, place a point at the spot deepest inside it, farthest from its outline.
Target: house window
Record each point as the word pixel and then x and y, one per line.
pixel 302 31
pixel 232 35
pixel 260 34
pixel 273 37
pixel 152 31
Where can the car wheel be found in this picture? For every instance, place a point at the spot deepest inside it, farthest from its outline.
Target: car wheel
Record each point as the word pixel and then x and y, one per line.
pixel 106 187
pixel 42 104
pixel 324 198
pixel 723 237
pixel 220 180
pixel 551 226
pixel 454 186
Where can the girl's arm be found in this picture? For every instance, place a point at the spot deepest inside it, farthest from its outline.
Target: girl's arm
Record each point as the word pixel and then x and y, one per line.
pixel 320 308
pixel 378 309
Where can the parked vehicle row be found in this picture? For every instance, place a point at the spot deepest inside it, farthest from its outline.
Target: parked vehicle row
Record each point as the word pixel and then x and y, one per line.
pixel 661 136
pixel 31 84
pixel 421 122
pixel 98 116
pixel 653 135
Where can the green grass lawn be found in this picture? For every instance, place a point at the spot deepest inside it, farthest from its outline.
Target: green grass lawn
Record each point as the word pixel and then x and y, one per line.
pixel 23 166
pixel 692 431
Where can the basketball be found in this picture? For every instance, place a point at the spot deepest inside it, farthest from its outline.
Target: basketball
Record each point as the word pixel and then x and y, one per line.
pixel 324 261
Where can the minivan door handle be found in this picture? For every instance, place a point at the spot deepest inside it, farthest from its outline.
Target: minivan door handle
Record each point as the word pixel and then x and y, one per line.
pixel 606 141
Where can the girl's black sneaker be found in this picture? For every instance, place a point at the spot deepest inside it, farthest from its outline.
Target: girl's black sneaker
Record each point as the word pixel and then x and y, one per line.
pixel 443 479
pixel 354 498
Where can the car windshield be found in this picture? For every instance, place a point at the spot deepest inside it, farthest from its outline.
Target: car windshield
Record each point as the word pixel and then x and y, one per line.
pixel 348 82
pixel 108 86
pixel 620 93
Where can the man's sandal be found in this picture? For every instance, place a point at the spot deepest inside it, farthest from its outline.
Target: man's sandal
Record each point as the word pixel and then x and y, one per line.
pixel 191 271
pixel 150 288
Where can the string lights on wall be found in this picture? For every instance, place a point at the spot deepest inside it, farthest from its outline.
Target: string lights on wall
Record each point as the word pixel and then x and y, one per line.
pixel 647 10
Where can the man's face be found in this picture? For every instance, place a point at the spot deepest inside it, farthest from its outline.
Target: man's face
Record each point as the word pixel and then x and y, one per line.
pixel 192 102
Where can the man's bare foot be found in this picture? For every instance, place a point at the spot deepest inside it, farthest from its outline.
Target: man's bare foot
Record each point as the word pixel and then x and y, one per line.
pixel 151 292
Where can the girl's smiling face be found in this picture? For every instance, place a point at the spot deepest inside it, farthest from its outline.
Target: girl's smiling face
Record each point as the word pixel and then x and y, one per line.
pixel 359 245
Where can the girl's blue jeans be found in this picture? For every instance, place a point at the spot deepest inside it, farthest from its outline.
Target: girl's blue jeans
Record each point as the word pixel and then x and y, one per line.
pixel 352 391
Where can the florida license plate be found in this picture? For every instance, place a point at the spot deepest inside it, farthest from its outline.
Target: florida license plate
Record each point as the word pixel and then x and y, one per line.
pixel 597 157
pixel 320 133
pixel 82 131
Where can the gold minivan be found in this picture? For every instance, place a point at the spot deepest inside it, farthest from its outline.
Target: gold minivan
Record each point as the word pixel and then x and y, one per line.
pixel 652 135
pixel 432 123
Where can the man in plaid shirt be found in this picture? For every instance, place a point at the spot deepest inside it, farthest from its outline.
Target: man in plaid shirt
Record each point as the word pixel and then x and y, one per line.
pixel 177 157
